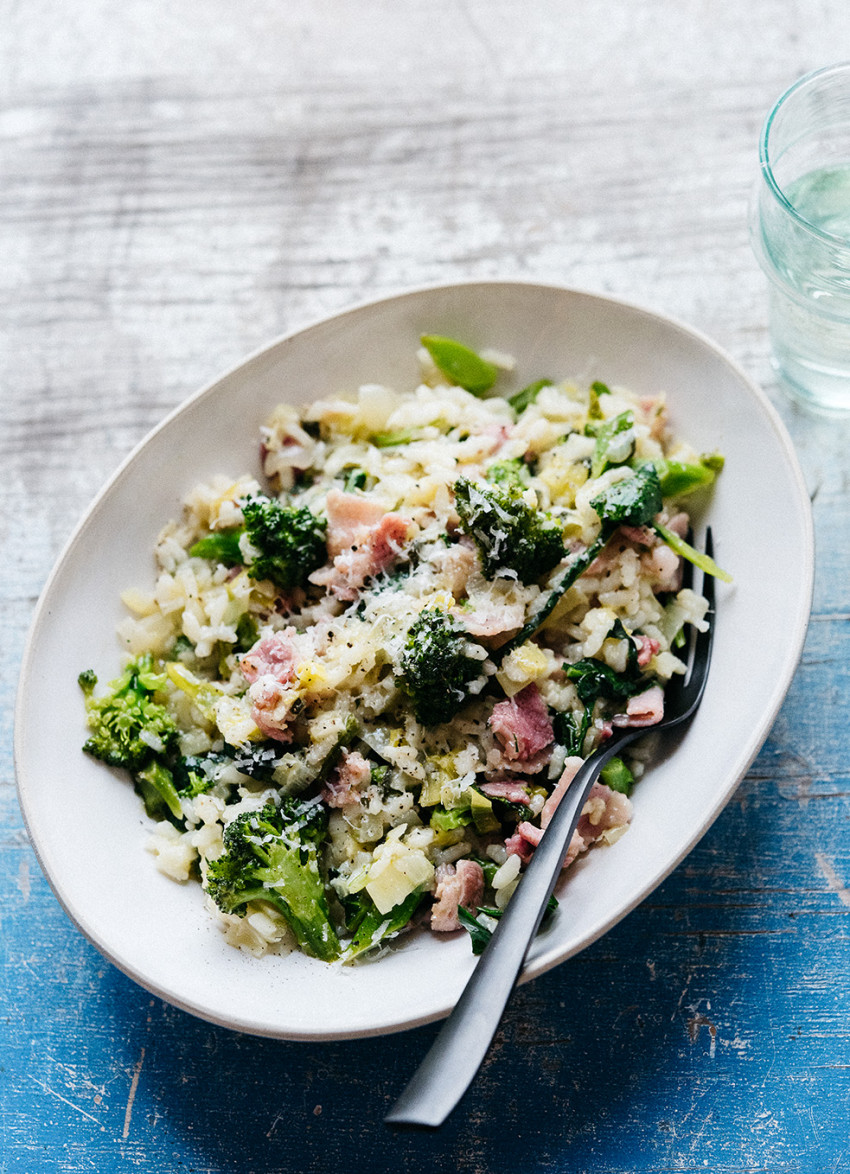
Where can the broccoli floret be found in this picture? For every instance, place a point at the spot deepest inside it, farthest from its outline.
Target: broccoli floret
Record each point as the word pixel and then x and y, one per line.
pixel 290 542
pixel 128 728
pixel 435 668
pixel 277 542
pixel 195 774
pixel 272 855
pixel 512 474
pixel 131 730
pixel 633 501
pixel 508 532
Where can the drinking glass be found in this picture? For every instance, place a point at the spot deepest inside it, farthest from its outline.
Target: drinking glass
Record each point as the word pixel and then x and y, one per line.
pixel 800 231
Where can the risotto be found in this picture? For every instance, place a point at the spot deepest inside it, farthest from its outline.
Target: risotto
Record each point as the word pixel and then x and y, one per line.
pixel 356 692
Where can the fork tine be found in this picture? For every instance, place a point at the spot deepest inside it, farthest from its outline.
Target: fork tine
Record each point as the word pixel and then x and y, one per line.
pixel 702 642
pixel 687 565
pixel 708 580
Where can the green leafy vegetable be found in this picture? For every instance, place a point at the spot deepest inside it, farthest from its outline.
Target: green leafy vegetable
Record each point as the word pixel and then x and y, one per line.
pixel 462 365
pixel 520 400
pixel 570 730
pixel 272 856
pixel 247 631
pixel 615 442
pixel 507 531
pixel 594 679
pixel 480 933
pixel 634 501
pixel 369 927
pixel 354 479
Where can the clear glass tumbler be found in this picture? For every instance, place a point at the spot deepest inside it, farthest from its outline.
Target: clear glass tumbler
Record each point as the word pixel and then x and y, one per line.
pixel 800 231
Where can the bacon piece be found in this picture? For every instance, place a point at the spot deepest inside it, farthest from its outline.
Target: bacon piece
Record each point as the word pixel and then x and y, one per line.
pixel 679 524
pixel 352 774
pixel 507 789
pixel 269 668
pixel 637 535
pixel 603 809
pixel 461 884
pixel 530 833
pixel 271 703
pixel 524 840
pixel 645 709
pixel 522 725
pixel 362 541
pixel 348 515
pixel 571 766
pixel 647 648
pixel 274 656
pixel 518 845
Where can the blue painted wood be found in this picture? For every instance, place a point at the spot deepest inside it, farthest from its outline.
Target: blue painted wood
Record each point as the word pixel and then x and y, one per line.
pixel 706 1031
pixel 176 192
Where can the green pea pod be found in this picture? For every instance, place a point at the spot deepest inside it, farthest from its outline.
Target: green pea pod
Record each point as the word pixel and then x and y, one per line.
pixel 679 478
pixel 461 364
pixel 617 776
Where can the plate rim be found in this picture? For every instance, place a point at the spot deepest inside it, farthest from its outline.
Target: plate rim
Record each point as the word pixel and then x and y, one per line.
pixel 553 956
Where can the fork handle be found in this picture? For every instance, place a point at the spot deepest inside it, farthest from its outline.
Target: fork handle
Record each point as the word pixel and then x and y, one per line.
pixel 456 1055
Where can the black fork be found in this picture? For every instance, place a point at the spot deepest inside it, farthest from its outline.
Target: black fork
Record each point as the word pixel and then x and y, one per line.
pixel 456 1055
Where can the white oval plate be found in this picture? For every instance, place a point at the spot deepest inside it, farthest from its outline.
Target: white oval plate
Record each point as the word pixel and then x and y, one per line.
pixel 88 828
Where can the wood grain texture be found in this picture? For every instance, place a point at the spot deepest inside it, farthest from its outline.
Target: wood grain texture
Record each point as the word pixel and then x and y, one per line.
pixel 182 183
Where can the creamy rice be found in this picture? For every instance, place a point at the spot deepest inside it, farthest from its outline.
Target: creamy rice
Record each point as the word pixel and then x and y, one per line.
pixel 434 814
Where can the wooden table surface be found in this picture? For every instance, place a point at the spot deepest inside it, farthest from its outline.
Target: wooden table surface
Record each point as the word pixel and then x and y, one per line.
pixel 181 183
